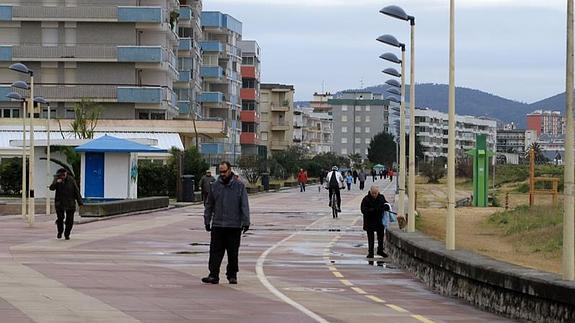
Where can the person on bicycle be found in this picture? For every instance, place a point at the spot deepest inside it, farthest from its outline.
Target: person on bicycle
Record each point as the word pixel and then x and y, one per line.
pixel 334 181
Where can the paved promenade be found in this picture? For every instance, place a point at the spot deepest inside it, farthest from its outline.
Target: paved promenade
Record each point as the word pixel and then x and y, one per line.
pixel 297 264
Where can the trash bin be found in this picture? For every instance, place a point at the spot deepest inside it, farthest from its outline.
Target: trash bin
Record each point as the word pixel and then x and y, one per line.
pixel 187 188
pixel 266 181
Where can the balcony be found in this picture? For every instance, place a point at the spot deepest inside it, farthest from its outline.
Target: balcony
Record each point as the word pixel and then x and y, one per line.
pixel 5 13
pixel 279 145
pixel 212 97
pixel 183 107
pixel 212 72
pixel 185 76
pixel 249 116
pixel 212 46
pixel 280 126
pixel 248 94
pixel 279 107
pixel 185 14
pixel 217 20
pixel 121 11
pixel 249 72
pixel 100 93
pixel 140 14
pixel 248 138
pixel 185 44
pixel 6 54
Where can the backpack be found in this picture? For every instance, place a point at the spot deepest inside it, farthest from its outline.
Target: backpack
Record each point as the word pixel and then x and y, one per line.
pixel 333 183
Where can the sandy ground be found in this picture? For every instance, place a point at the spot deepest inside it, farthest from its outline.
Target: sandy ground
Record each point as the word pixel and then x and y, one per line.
pixel 472 230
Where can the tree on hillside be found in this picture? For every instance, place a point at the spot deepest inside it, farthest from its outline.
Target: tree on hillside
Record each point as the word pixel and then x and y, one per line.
pixel 382 149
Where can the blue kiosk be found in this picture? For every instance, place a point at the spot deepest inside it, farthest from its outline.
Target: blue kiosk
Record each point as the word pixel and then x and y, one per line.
pixel 109 168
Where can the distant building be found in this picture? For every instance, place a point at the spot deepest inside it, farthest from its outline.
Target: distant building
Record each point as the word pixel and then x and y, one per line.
pixel 277 115
pixel 546 122
pixel 432 126
pixel 320 102
pixel 515 141
pixel 357 117
pixel 313 130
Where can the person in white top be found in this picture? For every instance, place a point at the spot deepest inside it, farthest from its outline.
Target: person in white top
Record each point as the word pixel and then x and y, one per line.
pixel 334 181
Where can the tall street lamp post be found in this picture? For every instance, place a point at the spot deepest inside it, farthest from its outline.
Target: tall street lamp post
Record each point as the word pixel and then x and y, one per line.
pixel 399 13
pixel 21 68
pixel 41 100
pixel 450 223
pixel 392 41
pixel 568 215
pixel 16 96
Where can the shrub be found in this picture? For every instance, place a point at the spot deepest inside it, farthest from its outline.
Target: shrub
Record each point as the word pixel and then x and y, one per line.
pixel 153 179
pixel 434 171
pixel 11 176
pixel 252 167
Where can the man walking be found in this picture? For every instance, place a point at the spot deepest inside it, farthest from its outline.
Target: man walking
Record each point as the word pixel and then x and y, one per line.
pixel 302 179
pixel 355 174
pixel 67 194
pixel 205 183
pixel 361 177
pixel 372 207
pixel 226 216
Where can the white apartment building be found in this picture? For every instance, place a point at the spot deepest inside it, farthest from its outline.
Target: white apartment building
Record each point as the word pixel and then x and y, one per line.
pixel 313 130
pixel 432 127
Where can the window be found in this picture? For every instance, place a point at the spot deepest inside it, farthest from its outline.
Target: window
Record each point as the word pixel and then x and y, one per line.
pixel 70 33
pixel 45 113
pixel 248 106
pixel 367 141
pixel 358 140
pixel 358 108
pixel 70 114
pixel 344 118
pixel 357 118
pixel 248 60
pixel 248 84
pixel 344 129
pixel 367 129
pixel 357 129
pixel 344 108
pixel 344 140
pixel 367 119
pixel 367 108
pixel 264 136
pixel 344 151
pixel 50 34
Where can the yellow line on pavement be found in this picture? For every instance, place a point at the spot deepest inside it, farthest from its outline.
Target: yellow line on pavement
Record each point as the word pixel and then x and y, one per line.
pixel 422 319
pixel 397 308
pixel 331 268
pixel 346 282
pixel 358 290
pixel 375 299
pixel 337 274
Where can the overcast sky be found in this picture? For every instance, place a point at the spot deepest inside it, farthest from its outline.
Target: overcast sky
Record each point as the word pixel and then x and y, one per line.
pixel 511 48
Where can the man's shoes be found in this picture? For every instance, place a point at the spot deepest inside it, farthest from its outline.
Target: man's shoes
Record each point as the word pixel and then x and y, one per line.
pixel 67 237
pixel 210 280
pixel 339 209
pixel 59 236
pixel 383 254
pixel 233 280
pixel 369 255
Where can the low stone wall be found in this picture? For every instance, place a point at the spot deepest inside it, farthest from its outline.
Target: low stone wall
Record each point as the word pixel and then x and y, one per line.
pixel 123 206
pixel 505 289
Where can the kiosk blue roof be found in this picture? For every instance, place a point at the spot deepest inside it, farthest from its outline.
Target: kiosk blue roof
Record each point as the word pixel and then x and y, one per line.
pixel 116 145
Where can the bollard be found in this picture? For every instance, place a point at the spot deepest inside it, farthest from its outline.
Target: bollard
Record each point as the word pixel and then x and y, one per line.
pixel 507 201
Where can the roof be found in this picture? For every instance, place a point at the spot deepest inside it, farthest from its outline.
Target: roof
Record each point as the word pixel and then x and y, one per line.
pixel 116 145
pixel 276 86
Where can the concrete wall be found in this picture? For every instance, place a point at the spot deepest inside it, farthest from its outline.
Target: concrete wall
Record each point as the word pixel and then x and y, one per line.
pixel 106 33
pixel 104 73
pixel 41 180
pixel 509 290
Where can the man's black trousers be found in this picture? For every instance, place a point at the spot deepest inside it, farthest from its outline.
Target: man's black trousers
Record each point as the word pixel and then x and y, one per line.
pixel 370 240
pixel 337 194
pixel 224 240
pixel 68 215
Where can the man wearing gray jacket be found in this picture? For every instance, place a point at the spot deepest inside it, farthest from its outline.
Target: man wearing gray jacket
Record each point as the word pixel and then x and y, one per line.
pixel 226 216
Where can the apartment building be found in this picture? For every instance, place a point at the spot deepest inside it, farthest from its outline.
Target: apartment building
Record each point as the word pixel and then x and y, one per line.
pixel 221 82
pixel 320 102
pixel 432 127
pixel 188 86
pixel 250 96
pixel 515 140
pixel 313 130
pixel 358 116
pixel 277 115
pixel 546 122
pixel 120 54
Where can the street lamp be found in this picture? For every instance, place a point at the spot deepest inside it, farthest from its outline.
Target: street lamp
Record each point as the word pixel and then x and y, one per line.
pixel 21 68
pixel 392 41
pixel 41 100
pixel 399 13
pixel 394 91
pixel 450 220
pixel 568 215
pixel 18 97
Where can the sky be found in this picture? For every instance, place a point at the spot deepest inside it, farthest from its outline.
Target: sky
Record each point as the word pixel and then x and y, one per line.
pixel 511 48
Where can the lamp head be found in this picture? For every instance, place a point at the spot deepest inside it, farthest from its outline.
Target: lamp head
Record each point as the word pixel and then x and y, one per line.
pixel 392 99
pixel 390 57
pixel 21 68
pixel 40 100
pixel 15 96
pixel 398 13
pixel 394 91
pixel 392 72
pixel 393 83
pixel 391 41
pixel 21 85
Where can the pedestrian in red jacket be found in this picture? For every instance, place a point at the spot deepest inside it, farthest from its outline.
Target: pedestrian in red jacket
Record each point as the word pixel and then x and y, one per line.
pixel 302 179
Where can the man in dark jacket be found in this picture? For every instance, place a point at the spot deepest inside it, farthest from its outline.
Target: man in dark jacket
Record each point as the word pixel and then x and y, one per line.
pixel 67 194
pixel 205 183
pixel 372 207
pixel 226 215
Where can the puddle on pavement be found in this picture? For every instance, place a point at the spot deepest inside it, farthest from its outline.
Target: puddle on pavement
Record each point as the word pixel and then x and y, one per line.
pixel 184 252
pixel 199 244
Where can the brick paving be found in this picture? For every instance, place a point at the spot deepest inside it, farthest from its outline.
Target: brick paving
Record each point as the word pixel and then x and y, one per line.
pixel 147 268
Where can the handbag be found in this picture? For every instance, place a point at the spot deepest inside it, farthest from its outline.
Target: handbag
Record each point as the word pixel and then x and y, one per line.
pixel 388 217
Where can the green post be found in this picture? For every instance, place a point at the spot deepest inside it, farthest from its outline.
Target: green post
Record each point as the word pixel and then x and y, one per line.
pixel 480 171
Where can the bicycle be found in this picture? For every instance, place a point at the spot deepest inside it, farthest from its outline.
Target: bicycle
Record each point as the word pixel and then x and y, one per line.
pixel 334 209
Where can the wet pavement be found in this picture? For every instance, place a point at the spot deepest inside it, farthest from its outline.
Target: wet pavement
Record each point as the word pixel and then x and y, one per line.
pixel 297 264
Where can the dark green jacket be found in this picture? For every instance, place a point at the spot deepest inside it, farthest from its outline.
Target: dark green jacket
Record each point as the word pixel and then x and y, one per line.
pixel 67 193
pixel 227 205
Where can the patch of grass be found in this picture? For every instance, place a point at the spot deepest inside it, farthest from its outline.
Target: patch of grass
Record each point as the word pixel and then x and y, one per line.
pixel 539 229
pixel 522 188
